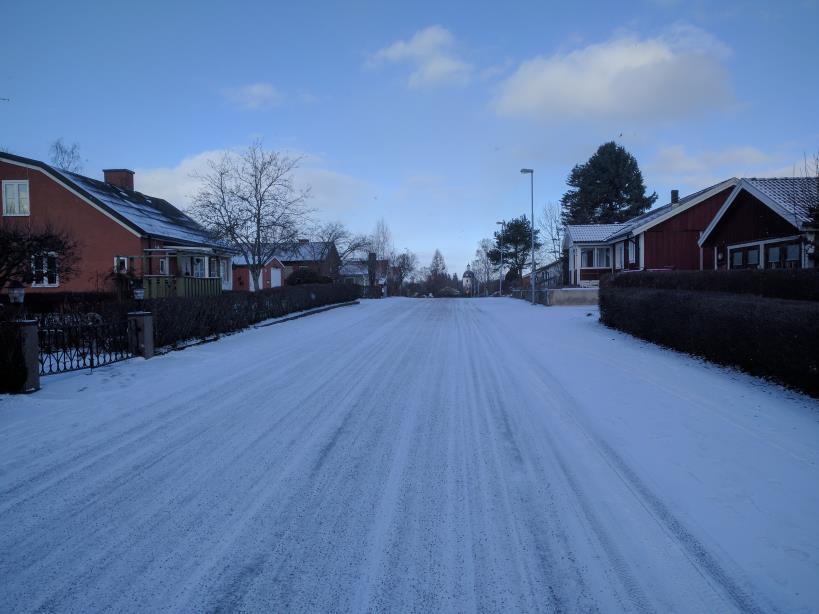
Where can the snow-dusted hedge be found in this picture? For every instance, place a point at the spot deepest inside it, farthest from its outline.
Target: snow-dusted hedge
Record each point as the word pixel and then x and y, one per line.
pixel 768 337
pixel 796 284
pixel 181 319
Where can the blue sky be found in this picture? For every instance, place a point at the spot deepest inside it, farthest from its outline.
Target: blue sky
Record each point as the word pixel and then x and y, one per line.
pixel 418 113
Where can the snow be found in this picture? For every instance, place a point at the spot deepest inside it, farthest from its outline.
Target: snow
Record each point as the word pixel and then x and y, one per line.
pixel 411 455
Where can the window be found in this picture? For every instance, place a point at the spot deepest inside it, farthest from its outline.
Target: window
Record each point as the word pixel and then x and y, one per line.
pixel 120 264
pixel 587 258
pixel 15 198
pixel 163 266
pixel 792 252
pixel 45 271
pixel 736 259
pixel 198 267
pixel 226 271
pixel 618 256
pixel 752 257
pixel 602 258
pixel 632 248
pixel 773 256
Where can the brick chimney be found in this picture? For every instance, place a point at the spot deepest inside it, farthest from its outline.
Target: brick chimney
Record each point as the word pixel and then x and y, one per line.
pixel 675 197
pixel 120 177
pixel 304 241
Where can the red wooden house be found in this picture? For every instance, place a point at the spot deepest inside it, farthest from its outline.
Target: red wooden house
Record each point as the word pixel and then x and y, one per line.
pixel 764 223
pixel 122 235
pixel 663 238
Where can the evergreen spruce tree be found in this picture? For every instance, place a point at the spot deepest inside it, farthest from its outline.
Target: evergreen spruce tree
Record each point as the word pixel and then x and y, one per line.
pixel 607 189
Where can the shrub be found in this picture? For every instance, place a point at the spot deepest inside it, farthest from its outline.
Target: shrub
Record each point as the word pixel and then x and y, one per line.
pixel 307 276
pixel 768 337
pixel 795 284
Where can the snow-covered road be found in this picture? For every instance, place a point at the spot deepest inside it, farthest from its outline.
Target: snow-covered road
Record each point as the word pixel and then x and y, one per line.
pixel 411 455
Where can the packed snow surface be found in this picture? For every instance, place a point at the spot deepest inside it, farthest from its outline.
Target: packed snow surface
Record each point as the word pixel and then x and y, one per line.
pixel 411 455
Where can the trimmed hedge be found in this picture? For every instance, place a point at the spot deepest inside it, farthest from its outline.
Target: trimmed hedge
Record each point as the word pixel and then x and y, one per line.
pixel 767 337
pixel 181 319
pixel 794 284
pixel 13 371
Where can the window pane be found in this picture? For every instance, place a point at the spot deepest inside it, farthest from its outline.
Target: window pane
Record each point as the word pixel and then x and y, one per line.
pixel 587 258
pixel 38 270
pixel 753 256
pixel 22 198
pixel 10 199
pixel 773 254
pixel 51 269
pixel 736 258
pixel 792 251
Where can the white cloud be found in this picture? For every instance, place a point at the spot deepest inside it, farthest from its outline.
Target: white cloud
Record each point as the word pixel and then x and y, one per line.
pixel 430 53
pixel 254 97
pixel 333 194
pixel 675 165
pixel 678 74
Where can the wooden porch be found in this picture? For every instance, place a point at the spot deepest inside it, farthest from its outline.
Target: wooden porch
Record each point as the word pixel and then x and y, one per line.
pixel 161 286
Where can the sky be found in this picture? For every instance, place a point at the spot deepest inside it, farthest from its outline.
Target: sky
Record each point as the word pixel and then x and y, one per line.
pixel 419 113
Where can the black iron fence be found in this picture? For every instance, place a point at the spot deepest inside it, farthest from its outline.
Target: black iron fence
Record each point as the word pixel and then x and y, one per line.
pixel 68 344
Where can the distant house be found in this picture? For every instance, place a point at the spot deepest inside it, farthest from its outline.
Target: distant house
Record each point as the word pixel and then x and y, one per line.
pixel 318 256
pixel 124 237
pixel 271 275
pixel 664 238
pixel 357 271
pixel 764 223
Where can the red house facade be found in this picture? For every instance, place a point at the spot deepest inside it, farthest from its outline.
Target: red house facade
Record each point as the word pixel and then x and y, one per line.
pixel 663 238
pixel 121 234
pixel 738 223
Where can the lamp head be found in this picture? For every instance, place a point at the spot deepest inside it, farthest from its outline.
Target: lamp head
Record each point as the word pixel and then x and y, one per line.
pixel 527 171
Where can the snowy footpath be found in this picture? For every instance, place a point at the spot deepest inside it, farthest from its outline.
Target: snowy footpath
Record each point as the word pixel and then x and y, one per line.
pixel 411 455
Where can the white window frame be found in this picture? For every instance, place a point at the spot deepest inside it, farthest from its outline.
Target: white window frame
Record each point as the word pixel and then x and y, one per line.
pixel 163 265
pixel 597 263
pixel 632 251
pixel 16 182
pixel 117 260
pixel 45 284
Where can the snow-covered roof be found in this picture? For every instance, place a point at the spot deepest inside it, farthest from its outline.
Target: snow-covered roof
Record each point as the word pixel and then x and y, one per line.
pixel 305 251
pixel 582 233
pixel 240 261
pixel 353 269
pixel 790 197
pixel 793 195
pixel 146 215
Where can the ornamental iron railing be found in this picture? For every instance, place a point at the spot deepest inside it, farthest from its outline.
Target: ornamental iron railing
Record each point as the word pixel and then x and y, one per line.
pixel 69 344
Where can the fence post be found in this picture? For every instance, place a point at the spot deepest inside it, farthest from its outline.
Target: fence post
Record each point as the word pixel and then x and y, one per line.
pixel 141 333
pixel 30 353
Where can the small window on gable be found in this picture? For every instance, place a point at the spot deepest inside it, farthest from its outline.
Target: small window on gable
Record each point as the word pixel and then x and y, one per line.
pixel 120 264
pixel 15 198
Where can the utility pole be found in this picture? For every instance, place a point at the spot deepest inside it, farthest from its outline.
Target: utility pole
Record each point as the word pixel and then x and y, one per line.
pixel 531 173
pixel 500 275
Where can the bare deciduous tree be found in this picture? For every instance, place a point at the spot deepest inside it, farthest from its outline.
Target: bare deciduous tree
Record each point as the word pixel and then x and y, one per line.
pixel 26 253
pixel 482 265
pixel 403 265
pixel 249 200
pixel 348 245
pixel 553 230
pixel 66 157
pixel 381 240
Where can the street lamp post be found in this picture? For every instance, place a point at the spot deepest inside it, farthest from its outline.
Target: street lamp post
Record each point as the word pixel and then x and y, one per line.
pixel 500 276
pixel 531 173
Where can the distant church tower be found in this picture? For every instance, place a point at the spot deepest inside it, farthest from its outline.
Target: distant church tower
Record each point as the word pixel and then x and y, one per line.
pixel 469 282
